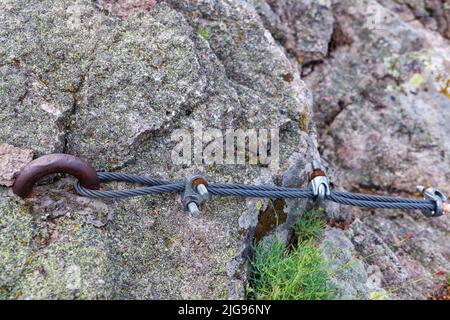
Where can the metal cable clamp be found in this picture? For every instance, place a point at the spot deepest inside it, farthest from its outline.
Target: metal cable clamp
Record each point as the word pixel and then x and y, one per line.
pixel 195 194
pixel 319 184
pixel 440 200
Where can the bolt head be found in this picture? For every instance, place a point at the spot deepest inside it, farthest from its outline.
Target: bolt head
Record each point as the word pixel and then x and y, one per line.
pixel 193 209
pixel 201 189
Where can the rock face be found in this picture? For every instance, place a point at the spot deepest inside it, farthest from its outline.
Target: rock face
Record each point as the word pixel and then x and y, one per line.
pixel 349 276
pixel 387 132
pixel 382 108
pixel 434 15
pixel 111 81
pixel 304 28
pixel 123 8
pixel 12 160
pixel 112 88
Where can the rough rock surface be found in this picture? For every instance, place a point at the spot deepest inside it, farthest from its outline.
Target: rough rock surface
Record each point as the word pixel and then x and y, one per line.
pixel 349 277
pixel 12 160
pixel 387 132
pixel 433 14
pixel 123 8
pixel 111 80
pixel 112 88
pixel 303 27
pixel 382 108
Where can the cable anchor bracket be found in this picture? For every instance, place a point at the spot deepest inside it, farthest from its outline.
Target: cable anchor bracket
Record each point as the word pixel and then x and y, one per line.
pixel 195 195
pixel 319 184
pixel 440 200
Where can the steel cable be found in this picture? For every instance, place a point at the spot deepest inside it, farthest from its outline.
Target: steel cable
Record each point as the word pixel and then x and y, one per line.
pixel 156 186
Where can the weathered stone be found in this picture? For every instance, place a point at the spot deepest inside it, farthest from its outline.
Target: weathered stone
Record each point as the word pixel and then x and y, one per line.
pixel 381 108
pixel 123 8
pixel 142 77
pixel 348 277
pixel 12 160
pixel 51 249
pixel 303 27
pixel 16 231
pixel 45 51
pixel 76 262
pixel 112 80
pixel 389 110
pixel 409 252
pixel 60 201
pixel 433 14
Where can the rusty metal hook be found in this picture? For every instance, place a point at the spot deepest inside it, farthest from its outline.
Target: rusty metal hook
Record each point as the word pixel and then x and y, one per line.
pixel 55 163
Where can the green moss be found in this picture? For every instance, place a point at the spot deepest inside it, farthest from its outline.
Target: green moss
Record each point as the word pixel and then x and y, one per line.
pixel 203 32
pixel 295 272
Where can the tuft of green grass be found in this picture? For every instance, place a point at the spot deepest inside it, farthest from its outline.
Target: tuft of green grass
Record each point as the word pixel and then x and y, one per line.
pixel 296 272
pixel 280 274
pixel 310 225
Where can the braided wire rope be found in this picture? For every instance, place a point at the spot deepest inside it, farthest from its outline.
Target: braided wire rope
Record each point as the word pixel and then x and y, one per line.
pixel 156 186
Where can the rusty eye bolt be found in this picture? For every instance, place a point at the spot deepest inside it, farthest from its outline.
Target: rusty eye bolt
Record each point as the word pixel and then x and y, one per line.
pixel 55 163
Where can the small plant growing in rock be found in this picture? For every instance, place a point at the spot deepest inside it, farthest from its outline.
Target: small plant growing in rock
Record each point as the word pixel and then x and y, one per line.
pixel 203 32
pixel 294 272
pixel 310 226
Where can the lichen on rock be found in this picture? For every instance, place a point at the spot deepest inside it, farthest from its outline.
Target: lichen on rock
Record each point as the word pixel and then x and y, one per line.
pixel 112 88
pixel 78 263
pixel 16 232
pixel 380 112
pixel 110 81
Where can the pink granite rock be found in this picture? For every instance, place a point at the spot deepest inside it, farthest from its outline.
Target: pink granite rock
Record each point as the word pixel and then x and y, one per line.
pixel 123 8
pixel 12 160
